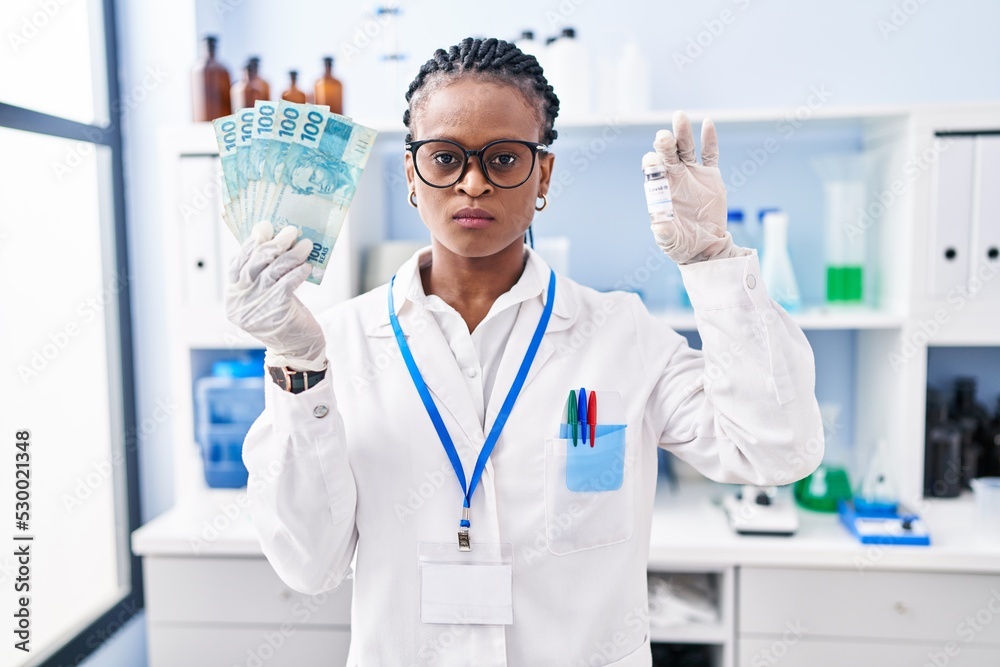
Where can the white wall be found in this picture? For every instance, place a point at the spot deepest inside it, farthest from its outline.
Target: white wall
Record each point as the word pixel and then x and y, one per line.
pixel 767 55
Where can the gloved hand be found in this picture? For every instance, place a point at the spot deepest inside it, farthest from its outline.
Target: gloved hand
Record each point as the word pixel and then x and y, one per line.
pixel 698 230
pixel 260 298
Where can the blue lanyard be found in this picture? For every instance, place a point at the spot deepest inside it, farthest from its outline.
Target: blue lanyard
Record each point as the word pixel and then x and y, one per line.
pixel 505 410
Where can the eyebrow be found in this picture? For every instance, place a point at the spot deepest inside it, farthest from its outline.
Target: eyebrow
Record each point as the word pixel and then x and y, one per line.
pixel 451 137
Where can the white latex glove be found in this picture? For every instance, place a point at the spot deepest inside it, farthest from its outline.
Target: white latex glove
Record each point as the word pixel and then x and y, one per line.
pixel 698 230
pixel 260 298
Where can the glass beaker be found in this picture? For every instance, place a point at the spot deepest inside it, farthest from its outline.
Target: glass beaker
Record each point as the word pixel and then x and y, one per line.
pixel 844 177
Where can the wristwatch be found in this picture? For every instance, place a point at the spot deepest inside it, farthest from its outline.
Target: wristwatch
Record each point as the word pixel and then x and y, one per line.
pixel 293 380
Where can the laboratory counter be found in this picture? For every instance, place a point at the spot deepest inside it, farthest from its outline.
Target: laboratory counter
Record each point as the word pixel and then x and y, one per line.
pixel 211 593
pixel 688 528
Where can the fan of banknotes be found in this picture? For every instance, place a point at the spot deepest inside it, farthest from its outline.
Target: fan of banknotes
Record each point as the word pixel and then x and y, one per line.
pixel 291 164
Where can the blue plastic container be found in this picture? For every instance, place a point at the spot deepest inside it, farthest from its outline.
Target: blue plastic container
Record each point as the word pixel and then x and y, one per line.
pixel 227 404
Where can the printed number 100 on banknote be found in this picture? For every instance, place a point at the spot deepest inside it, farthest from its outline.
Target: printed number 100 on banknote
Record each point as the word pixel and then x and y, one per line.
pixel 300 167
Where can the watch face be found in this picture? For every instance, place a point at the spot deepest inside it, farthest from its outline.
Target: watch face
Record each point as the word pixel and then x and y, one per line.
pixel 278 375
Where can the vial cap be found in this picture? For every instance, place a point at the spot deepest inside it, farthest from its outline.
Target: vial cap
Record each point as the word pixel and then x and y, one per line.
pixel 651 159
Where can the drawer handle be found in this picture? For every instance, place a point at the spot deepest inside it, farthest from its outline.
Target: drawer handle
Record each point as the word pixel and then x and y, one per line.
pixel 284 594
pixel 901 608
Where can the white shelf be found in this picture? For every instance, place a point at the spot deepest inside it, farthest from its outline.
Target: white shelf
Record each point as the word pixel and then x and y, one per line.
pixel 764 115
pixel 818 318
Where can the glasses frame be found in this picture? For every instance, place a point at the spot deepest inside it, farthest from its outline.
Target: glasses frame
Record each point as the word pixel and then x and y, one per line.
pixel 535 147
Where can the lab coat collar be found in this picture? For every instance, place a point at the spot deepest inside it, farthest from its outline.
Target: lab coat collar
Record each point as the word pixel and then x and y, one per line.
pixel 436 360
pixel 408 291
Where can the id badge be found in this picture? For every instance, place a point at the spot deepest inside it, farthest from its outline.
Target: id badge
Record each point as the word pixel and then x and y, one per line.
pixel 466 587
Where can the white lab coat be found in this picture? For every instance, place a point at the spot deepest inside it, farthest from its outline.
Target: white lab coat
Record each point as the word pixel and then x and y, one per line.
pixel 354 463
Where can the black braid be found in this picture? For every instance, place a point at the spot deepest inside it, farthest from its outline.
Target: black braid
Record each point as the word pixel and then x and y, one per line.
pixel 495 58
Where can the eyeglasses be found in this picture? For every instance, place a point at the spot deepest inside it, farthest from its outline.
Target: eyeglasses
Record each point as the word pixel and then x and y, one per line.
pixel 441 163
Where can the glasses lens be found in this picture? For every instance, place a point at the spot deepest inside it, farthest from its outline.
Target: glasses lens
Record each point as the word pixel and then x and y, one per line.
pixel 439 162
pixel 508 163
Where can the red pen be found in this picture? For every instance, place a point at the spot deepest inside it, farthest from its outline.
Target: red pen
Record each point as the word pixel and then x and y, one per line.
pixel 592 416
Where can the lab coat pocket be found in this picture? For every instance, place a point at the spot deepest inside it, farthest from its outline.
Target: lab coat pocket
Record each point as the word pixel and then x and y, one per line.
pixel 589 500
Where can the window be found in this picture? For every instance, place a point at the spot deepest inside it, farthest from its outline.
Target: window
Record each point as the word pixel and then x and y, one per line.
pixel 64 300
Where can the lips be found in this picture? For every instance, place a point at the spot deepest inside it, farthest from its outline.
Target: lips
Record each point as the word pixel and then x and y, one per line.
pixel 473 218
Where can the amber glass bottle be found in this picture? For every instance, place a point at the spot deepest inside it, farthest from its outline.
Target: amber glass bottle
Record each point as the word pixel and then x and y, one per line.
pixel 210 85
pixel 293 94
pixel 329 90
pixel 251 87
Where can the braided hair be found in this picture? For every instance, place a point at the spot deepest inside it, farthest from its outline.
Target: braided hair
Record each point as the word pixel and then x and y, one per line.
pixel 494 58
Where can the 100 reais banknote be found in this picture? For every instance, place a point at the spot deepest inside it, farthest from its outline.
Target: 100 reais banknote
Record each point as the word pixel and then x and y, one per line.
pixel 291 164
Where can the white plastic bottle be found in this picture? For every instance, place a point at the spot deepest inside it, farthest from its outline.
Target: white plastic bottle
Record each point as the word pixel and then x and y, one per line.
pixel 570 64
pixel 633 83
pixel 776 264
pixel 527 43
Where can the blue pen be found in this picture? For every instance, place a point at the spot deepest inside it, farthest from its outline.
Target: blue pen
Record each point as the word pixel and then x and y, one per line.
pixel 581 411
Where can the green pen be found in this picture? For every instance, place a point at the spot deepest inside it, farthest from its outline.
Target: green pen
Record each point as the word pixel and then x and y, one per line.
pixel 571 415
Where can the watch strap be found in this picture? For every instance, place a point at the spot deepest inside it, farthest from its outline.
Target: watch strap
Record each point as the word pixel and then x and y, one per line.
pixel 295 381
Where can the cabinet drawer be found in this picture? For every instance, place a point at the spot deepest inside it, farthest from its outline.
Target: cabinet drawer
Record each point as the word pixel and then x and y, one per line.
pixel 235 590
pixel 215 646
pixel 928 607
pixel 761 652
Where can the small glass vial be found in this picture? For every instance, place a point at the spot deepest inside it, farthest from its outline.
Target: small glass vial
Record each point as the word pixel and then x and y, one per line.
pixel 658 201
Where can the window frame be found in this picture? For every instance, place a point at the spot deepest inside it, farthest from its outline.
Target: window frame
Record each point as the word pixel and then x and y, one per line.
pixel 90 638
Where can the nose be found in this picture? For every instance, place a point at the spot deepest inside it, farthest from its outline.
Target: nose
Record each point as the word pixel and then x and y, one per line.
pixel 474 182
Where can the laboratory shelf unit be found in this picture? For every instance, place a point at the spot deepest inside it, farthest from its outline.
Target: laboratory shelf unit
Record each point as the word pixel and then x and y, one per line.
pixel 931 236
pixel 718 635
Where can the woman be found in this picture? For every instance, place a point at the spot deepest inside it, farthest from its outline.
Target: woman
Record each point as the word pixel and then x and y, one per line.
pixel 486 540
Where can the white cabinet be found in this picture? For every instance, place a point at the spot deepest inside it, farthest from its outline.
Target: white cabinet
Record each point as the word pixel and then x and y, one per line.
pixel 212 599
pixel 837 617
pixel 210 611
pixel 874 605
pixel 858 653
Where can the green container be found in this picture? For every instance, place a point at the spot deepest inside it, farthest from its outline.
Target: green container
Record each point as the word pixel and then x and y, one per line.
pixel 844 284
pixel 821 490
